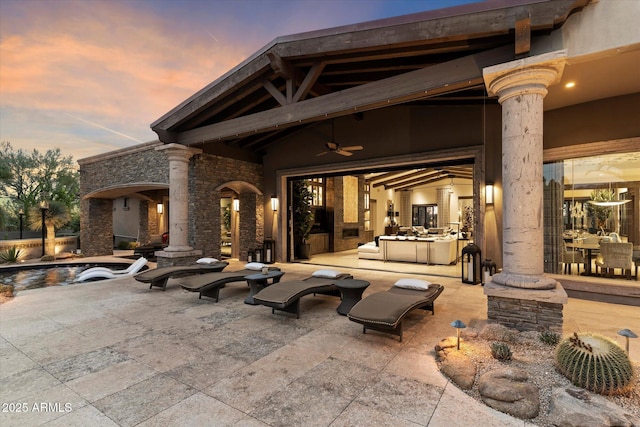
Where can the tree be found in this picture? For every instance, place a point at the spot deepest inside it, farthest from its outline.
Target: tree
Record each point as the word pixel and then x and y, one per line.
pixel 55 217
pixel 28 177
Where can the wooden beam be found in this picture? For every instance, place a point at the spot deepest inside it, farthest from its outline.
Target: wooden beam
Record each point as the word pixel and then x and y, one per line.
pixel 419 84
pixel 523 35
pixel 404 177
pixel 274 92
pixel 309 81
pixel 416 181
pixel 281 67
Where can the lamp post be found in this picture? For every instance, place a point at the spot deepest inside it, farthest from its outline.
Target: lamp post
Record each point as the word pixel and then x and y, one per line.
pixel 44 206
pixel 458 324
pixel 21 214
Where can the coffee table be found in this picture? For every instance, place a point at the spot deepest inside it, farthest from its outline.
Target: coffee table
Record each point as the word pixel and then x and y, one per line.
pixel 259 281
pixel 351 291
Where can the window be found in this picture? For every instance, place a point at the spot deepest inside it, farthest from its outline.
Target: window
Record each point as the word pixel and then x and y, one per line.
pixel 584 203
pixel 316 186
pixel 424 215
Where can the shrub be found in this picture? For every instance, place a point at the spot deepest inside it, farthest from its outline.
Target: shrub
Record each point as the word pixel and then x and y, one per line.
pixel 501 351
pixel 594 363
pixel 123 245
pixel 48 258
pixel 549 338
pixel 12 254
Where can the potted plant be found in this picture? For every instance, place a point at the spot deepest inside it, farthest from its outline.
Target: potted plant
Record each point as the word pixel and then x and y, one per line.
pixel 600 213
pixel 302 217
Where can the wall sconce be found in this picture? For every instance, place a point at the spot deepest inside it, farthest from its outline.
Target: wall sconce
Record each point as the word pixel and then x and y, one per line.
pixel 274 203
pixel 236 205
pixel 160 208
pixel 488 194
pixel 458 324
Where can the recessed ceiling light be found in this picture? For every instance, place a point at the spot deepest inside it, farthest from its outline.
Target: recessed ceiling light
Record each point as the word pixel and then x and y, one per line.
pixel 570 85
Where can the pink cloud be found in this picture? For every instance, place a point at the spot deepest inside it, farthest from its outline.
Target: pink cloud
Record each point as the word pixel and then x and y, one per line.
pixel 102 60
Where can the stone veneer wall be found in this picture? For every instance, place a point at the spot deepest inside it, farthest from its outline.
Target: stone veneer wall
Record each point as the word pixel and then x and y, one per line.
pixel 144 164
pixel 335 211
pixel 96 227
pixel 525 315
pixel 119 168
pixel 208 172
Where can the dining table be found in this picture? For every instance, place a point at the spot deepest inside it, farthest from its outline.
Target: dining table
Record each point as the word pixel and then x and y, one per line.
pixel 589 248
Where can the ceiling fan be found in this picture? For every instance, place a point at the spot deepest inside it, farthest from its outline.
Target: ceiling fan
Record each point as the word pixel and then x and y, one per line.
pixel 333 147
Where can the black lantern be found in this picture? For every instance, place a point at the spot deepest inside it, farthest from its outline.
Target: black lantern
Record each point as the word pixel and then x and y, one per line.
pixel 251 256
pixel 269 248
pixel 471 265
pixel 489 268
pixel 258 253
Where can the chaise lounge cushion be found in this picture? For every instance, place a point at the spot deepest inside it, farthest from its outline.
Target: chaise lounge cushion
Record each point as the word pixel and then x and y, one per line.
pixel 385 311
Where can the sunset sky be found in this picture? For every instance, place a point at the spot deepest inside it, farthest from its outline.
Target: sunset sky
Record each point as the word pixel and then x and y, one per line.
pixel 90 76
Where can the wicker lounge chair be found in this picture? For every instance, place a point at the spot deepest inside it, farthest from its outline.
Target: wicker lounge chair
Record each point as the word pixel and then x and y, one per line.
pixel 285 296
pixel 209 284
pixel 157 277
pixel 385 311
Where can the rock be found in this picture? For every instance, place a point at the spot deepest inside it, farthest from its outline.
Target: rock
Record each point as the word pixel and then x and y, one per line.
pixel 576 407
pixel 507 391
pixel 459 368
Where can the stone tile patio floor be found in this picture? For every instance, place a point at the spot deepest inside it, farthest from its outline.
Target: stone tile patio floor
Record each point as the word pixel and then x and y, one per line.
pixel 114 353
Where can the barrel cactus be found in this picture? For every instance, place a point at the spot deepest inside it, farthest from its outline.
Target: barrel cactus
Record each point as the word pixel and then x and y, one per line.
pixel 594 363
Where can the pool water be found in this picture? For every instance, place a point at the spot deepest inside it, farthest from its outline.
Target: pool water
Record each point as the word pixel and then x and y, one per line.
pixel 41 277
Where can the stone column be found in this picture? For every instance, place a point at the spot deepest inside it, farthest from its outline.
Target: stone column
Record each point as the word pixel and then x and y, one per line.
pixel 521 296
pixel 521 86
pixel 178 156
pixel 444 206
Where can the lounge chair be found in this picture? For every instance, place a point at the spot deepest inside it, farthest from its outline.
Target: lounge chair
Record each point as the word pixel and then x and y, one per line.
pixel 209 284
pixel 158 277
pixel 385 311
pixel 285 296
pixel 108 273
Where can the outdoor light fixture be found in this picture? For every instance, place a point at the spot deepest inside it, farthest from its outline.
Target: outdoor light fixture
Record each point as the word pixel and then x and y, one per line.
pixel 274 203
pixel 160 208
pixel 44 207
pixel 489 194
pixel 236 205
pixel 21 214
pixel 627 333
pixel 458 324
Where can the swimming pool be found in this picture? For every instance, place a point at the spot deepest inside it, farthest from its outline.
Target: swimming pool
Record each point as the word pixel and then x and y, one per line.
pixel 40 276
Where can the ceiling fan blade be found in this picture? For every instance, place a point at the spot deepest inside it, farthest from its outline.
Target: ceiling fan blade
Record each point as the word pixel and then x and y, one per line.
pixel 322 153
pixel 352 148
pixel 343 152
pixel 332 146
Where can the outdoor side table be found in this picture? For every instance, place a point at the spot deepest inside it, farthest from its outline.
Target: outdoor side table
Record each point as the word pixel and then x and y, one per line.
pixel 259 281
pixel 351 291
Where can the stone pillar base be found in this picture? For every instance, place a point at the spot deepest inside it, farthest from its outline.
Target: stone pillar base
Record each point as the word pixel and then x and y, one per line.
pixel 526 309
pixel 170 259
